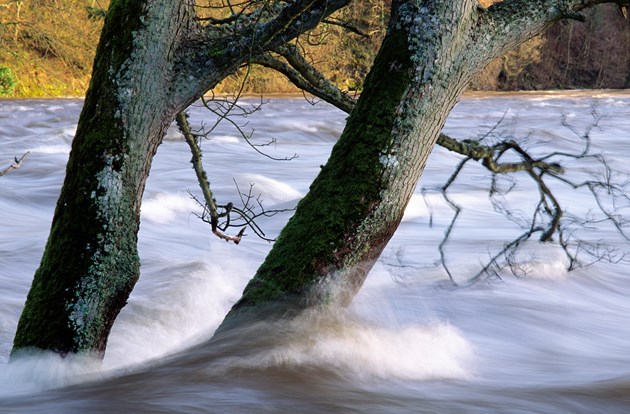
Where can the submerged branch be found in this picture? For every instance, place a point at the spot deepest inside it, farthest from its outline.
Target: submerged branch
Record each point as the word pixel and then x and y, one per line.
pixel 17 163
pixel 547 216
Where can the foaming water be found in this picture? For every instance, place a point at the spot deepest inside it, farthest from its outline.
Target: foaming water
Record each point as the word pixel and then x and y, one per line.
pixel 34 371
pixel 164 207
pixel 147 328
pixel 548 341
pixel 359 350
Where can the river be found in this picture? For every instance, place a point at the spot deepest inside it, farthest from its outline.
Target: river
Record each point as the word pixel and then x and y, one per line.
pixel 547 341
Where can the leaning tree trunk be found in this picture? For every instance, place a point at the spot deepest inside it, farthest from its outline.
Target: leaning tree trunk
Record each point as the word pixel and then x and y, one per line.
pixel 153 60
pixel 432 50
pixel 91 264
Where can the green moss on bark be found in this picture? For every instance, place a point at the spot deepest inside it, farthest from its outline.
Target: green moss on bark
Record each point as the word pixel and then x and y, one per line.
pixel 316 241
pixel 90 263
pixel 90 258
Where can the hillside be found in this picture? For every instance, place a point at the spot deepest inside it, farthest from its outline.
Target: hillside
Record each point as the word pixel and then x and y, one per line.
pixel 47 47
pixel 572 54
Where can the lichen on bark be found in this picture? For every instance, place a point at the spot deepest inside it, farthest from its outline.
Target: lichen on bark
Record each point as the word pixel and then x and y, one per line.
pixel 153 60
pixel 315 249
pixel 91 263
pixel 357 201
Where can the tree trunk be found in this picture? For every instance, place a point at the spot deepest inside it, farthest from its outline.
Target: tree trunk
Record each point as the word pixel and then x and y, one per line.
pixel 153 60
pixel 431 52
pixel 357 201
pixel 91 264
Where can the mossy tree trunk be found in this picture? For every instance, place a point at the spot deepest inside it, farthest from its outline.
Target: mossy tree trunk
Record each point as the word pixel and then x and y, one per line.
pixel 153 60
pixel 431 52
pixel 91 263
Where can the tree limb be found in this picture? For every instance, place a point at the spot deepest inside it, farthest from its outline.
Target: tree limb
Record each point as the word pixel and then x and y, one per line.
pixel 202 179
pixel 308 79
pixel 200 57
pixel 346 25
pixel 511 22
pixel 245 216
pixel 548 218
pixel 17 163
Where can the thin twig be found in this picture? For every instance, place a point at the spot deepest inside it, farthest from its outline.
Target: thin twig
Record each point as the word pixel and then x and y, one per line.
pixel 17 163
pixel 202 179
pixel 548 215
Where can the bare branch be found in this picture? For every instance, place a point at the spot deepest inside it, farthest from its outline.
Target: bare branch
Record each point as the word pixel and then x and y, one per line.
pixel 457 209
pixel 224 110
pixel 210 204
pixel 268 25
pixel 212 213
pixel 17 163
pixel 346 25
pixel 307 78
pixel 548 215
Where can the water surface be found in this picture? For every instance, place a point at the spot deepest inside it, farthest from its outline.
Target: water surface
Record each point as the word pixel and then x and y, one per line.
pixel 550 341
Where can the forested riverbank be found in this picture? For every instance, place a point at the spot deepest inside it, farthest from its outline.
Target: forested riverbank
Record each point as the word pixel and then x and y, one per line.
pixel 47 48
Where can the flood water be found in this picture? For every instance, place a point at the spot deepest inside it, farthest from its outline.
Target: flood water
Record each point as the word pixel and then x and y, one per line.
pixel 547 341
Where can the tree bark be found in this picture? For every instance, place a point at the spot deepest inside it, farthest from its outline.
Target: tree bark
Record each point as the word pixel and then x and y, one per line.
pixel 90 263
pixel 153 60
pixel 431 52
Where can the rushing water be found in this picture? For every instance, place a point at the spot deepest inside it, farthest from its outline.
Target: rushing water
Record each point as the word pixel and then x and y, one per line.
pixel 550 341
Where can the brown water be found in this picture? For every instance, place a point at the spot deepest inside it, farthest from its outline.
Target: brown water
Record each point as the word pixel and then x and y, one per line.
pixel 550 342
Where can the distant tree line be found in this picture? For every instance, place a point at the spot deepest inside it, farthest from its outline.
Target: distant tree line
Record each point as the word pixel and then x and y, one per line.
pixel 155 58
pixel 49 45
pixel 572 54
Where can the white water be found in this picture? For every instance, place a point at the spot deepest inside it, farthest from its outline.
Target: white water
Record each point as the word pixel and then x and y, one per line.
pixel 549 342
